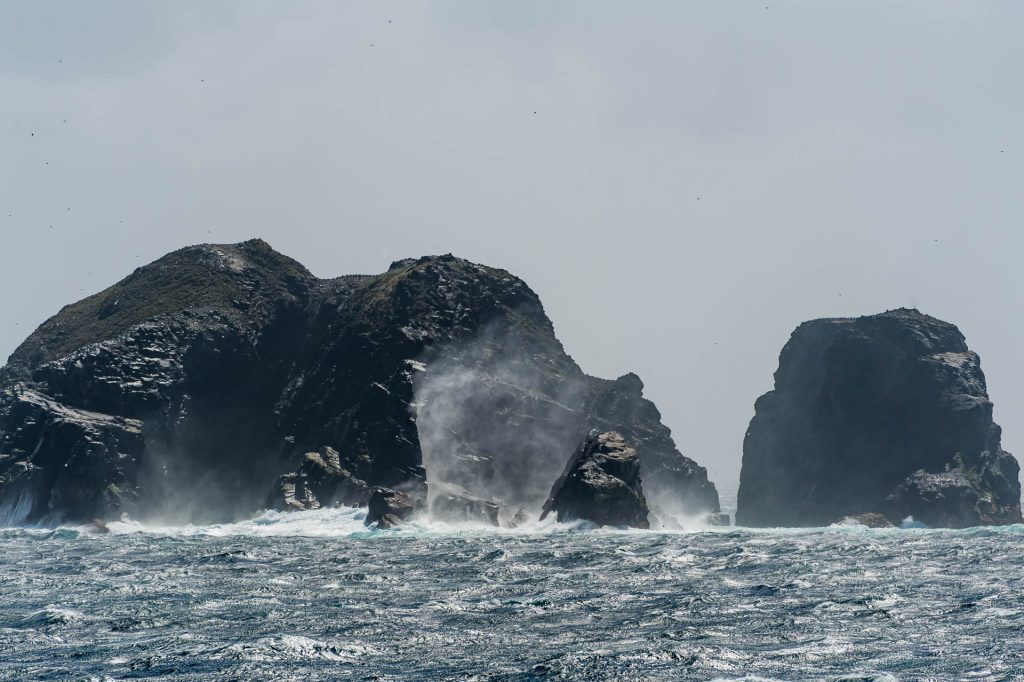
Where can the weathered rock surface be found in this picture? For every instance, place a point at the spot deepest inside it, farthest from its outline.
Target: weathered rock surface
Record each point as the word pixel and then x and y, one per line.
pixel 389 508
pixel 674 485
pixel 601 484
pixel 884 414
pixel 60 455
pixel 320 481
pixel 195 388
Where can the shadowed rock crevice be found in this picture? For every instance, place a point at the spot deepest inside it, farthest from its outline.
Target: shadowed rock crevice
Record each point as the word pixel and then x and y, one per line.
pixel 884 414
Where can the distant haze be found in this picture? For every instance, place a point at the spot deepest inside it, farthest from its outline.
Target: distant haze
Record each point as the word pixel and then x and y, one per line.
pixel 681 183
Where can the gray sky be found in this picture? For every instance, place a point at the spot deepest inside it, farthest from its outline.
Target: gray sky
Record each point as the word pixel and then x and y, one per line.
pixel 682 183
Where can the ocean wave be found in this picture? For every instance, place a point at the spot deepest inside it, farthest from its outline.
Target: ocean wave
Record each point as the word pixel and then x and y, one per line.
pixel 317 595
pixel 280 648
pixel 349 522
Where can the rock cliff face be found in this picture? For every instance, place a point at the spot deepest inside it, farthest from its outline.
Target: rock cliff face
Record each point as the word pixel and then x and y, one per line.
pixel 601 484
pixel 224 378
pixel 885 414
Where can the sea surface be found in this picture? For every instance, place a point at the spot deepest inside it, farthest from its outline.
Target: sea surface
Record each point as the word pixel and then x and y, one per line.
pixel 316 596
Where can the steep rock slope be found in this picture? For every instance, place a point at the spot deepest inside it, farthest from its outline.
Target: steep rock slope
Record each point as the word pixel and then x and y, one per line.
pixel 223 377
pixel 884 414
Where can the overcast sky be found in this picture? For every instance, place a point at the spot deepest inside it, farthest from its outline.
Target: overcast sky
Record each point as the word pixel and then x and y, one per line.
pixel 682 183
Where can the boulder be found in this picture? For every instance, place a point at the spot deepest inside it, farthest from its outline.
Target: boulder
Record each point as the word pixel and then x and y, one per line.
pixel 881 414
pixel 389 508
pixel 319 481
pixel 600 484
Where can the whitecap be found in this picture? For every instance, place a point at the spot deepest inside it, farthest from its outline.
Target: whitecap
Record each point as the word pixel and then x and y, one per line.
pixel 296 648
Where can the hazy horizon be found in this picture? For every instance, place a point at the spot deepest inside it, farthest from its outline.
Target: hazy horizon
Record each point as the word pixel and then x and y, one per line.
pixel 682 185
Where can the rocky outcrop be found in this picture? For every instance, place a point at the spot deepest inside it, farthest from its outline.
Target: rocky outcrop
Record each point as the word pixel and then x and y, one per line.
pixel 320 481
pixel 197 388
pixel 85 462
pixel 494 412
pixel 601 484
pixel 885 414
pixel 675 486
pixel 389 508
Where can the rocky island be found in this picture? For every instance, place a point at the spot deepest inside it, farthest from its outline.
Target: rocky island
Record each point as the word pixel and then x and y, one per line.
pixel 881 417
pixel 224 379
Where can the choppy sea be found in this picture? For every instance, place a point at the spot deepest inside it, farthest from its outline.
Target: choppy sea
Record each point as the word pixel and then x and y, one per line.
pixel 317 596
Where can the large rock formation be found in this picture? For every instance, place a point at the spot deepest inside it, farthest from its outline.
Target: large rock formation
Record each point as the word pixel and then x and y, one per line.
pixel 883 414
pixel 224 378
pixel 601 484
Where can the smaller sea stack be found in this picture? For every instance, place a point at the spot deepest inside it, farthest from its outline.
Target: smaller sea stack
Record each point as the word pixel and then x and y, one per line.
pixel 886 414
pixel 601 484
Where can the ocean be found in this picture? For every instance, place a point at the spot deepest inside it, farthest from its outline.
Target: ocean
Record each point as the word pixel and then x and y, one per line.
pixel 317 596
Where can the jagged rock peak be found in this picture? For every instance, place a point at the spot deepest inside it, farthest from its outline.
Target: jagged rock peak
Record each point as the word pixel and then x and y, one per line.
pixel 631 383
pixel 885 414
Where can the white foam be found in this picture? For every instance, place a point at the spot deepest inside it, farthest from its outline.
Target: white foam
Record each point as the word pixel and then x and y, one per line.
pixel 341 522
pixel 297 647
pixel 51 615
pixel 318 523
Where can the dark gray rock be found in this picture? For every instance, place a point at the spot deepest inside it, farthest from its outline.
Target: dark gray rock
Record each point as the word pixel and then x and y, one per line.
pixel 674 485
pixel 389 508
pixel 196 386
pixel 601 484
pixel 518 400
pixel 320 481
pixel 887 414
pixel 961 497
pixel 60 462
